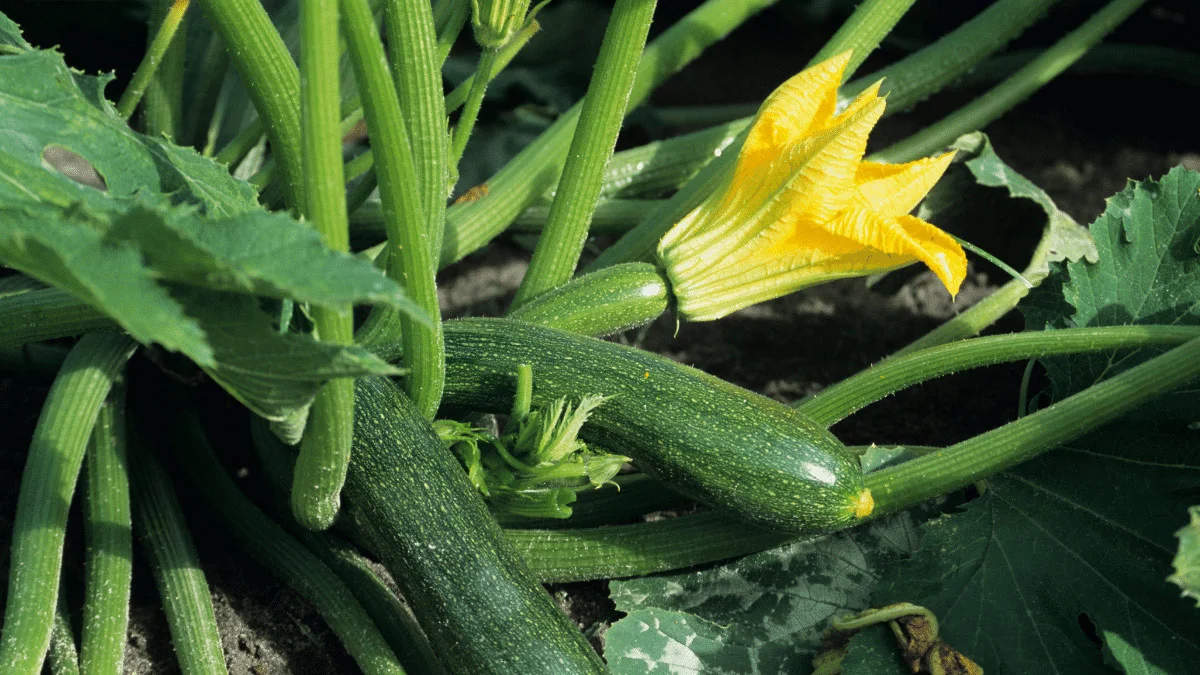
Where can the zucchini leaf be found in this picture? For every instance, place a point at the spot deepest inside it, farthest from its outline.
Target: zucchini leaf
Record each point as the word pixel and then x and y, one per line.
pixel 1187 559
pixel 1061 566
pixel 761 614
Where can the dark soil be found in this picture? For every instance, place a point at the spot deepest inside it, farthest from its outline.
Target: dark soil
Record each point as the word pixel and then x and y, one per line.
pixel 786 349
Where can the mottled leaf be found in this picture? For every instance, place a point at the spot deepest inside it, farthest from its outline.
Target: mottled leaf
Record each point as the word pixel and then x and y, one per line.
pixel 873 651
pixel 770 607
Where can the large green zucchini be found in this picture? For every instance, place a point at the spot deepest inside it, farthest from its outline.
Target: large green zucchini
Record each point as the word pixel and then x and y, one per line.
pixel 723 445
pixel 411 500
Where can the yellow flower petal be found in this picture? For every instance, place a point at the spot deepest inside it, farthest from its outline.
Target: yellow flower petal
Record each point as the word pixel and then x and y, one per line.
pixel 892 241
pixel 896 189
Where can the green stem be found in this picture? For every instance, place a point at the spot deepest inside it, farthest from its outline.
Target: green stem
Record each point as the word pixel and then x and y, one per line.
pixel 208 103
pixel 900 372
pixel 418 77
pixel 458 96
pixel 168 547
pixel 449 17
pixel 410 263
pixel 47 486
pixel 972 321
pixel 536 168
pixel 1135 60
pixel 603 110
pixel 150 62
pixel 275 549
pixel 325 448
pixel 109 536
pixel 484 72
pixel 938 65
pixel 663 166
pixel 63 658
pixel 863 31
pixel 271 78
pixel 49 313
pixel 1001 98
pixel 960 465
pixel 162 113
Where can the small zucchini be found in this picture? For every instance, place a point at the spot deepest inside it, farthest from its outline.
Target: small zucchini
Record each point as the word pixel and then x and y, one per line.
pixel 718 443
pixel 411 501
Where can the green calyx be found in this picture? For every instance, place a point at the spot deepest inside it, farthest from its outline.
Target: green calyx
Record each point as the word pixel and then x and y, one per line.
pixel 496 21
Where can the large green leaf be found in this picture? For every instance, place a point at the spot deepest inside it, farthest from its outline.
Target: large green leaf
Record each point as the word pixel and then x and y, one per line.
pixel 761 614
pixel 1084 536
pixel 11 41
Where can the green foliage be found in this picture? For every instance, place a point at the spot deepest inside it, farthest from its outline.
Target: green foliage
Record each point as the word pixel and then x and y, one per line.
pixel 1187 559
pixel 1084 536
pixel 873 652
pixel 762 614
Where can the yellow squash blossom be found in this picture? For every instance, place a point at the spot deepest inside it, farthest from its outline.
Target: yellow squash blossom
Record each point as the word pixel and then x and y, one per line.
pixel 802 207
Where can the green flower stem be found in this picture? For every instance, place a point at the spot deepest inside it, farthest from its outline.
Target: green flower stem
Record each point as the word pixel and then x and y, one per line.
pixel 393 618
pixel 603 110
pixel 449 17
pixel 663 166
pixel 275 549
pixel 458 96
pixel 614 299
pixel 960 465
pixel 208 111
pixel 972 321
pixel 325 448
pixel 45 314
pixel 411 263
pixel 612 217
pixel 536 168
pixel 154 56
pixel 109 535
pixel 418 77
pixel 900 372
pixel 162 113
pixel 643 548
pixel 863 31
pixel 62 657
pixel 1001 98
pixel 271 78
pixel 933 68
pixel 912 80
pixel 484 72
pixel 162 531
pixel 1103 59
pixel 47 486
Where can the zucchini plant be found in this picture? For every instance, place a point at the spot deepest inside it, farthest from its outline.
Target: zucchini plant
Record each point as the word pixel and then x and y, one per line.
pixel 224 288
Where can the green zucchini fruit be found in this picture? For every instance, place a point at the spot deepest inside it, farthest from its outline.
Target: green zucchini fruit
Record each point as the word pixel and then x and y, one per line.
pixel 718 443
pixel 481 608
pixel 608 301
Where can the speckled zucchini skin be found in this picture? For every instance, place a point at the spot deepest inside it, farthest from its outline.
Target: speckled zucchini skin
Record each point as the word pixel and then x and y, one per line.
pixel 721 444
pixel 472 594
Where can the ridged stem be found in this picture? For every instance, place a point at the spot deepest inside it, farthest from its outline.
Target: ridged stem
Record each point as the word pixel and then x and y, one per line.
pixel 45 314
pixel 863 31
pixel 271 78
pixel 325 448
pixel 900 372
pixel 1001 98
pixel 410 261
pixel 160 527
pixel 47 487
pixel 449 18
pixel 458 96
pixel 484 72
pixel 536 168
pixel 275 549
pixel 63 658
pixel 109 535
pixel 603 110
pixel 417 73
pixel 960 465
pixel 162 113
pixel 154 56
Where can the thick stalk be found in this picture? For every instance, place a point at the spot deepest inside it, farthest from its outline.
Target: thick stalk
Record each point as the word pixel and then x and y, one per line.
pixel 63 658
pixel 159 524
pixel 154 56
pixel 603 110
pixel 960 465
pixel 47 487
pixel 275 549
pixel 1000 99
pixel 325 448
pixel 449 17
pixel 863 31
pixel 45 314
pixel 410 263
pixel 536 168
pixel 900 372
pixel 417 73
pixel 109 536
pixel 162 114
pixel 271 78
